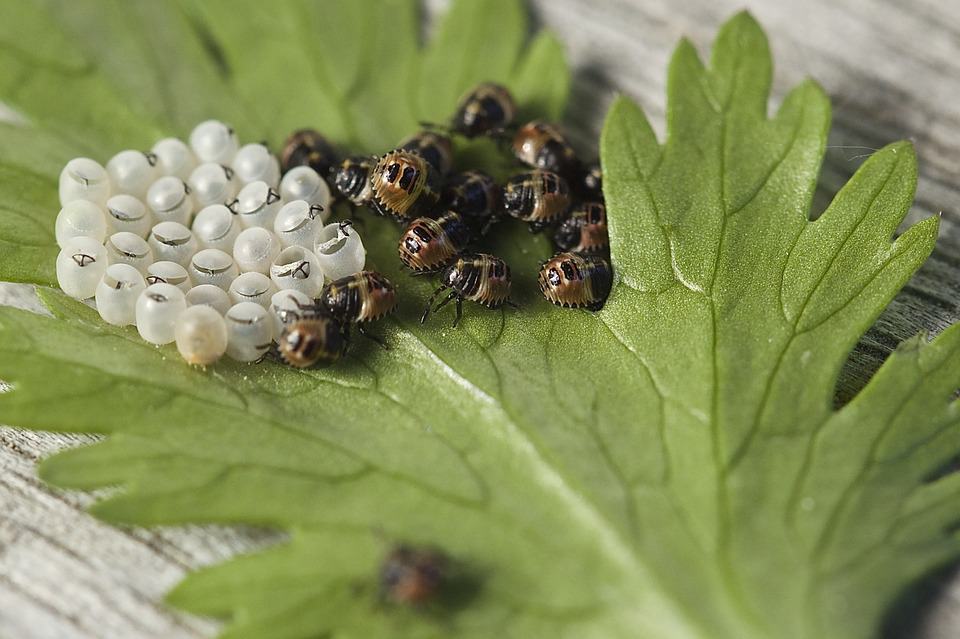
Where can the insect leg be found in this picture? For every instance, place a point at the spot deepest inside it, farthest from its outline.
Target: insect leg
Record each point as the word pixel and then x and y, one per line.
pixel 426 311
pixel 372 337
pixel 459 311
pixel 446 300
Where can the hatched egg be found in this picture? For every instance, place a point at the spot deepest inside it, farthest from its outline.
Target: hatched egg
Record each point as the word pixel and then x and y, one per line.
pixel 209 295
pixel 201 335
pixel 169 199
pixel 132 172
pixel 80 218
pixel 249 332
pixel 172 241
pixel 285 307
pixel 254 162
pixel 214 141
pixel 80 266
pixel 169 273
pixel 255 249
pixel 252 287
pixel 257 204
pixel 127 213
pixel 124 247
pixel 298 223
pixel 339 250
pixel 212 183
pixel 216 226
pixel 117 294
pixel 174 158
pixel 303 183
pixel 213 266
pixel 157 310
pixel 84 179
pixel 297 268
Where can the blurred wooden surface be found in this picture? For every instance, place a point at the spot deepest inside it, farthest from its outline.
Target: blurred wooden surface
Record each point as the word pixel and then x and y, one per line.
pixel 892 70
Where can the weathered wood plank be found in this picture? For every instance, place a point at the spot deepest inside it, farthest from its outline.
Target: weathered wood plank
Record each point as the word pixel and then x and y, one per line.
pixel 892 70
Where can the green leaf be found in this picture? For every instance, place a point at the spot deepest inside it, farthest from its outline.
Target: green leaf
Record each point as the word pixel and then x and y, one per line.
pixel 672 466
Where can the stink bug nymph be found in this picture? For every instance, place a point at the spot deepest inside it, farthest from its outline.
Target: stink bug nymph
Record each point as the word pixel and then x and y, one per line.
pixel 479 277
pixel 575 281
pixel 403 186
pixel 307 147
pixel 412 576
pixel 475 196
pixel 352 179
pixel 309 337
pixel 539 198
pixel 487 108
pixel 427 244
pixel 359 298
pixel 585 231
pixel 541 145
pixel 435 148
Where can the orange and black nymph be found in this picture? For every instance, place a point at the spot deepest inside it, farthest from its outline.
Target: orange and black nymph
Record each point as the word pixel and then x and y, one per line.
pixel 585 231
pixel 352 179
pixel 362 297
pixel 538 197
pixel 428 245
pixel 541 145
pixel 307 147
pixel 312 339
pixel 485 109
pixel 403 186
pixel 475 196
pixel 478 277
pixel 576 281
pixel 436 148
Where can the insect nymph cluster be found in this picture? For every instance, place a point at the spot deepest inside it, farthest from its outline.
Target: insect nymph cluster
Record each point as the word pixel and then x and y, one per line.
pixel 230 250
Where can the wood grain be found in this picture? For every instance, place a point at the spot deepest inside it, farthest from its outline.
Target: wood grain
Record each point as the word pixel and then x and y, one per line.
pixel 892 70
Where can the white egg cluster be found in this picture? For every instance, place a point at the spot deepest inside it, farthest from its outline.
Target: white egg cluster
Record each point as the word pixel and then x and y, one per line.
pixel 202 244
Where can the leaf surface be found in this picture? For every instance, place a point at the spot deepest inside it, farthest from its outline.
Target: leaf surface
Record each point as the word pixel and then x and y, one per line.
pixel 672 466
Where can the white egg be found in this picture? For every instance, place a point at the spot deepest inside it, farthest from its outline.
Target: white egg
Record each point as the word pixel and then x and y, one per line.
pixel 249 332
pixel 339 251
pixel 286 306
pixel 125 247
pixel 80 218
pixel 132 172
pixel 216 226
pixel 212 183
pixel 209 295
pixel 174 158
pixel 298 223
pixel 214 141
pixel 297 268
pixel 213 266
pixel 117 294
pixel 201 335
pixel 127 213
pixel 252 287
pixel 80 266
pixel 254 162
pixel 169 273
pixel 172 241
pixel 169 199
pixel 257 205
pixel 84 179
pixel 255 250
pixel 157 310
pixel 303 183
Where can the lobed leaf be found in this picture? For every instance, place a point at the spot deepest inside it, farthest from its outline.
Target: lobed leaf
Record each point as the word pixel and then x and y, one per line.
pixel 671 466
